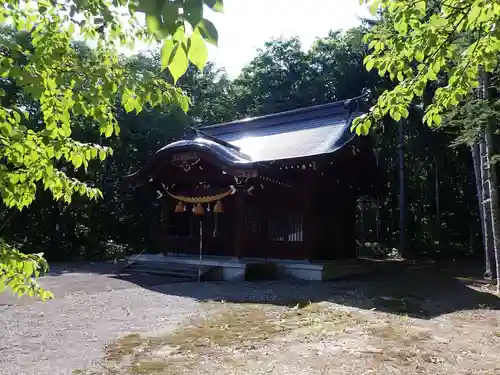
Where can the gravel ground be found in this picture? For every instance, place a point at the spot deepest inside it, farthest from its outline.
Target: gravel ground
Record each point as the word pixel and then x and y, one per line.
pixel 69 332
pixel 94 307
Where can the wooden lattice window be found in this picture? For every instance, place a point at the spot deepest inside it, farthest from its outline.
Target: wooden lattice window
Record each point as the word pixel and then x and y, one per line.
pixel 286 228
pixel 253 221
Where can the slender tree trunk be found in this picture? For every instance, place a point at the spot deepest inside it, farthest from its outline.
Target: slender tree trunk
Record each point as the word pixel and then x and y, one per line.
pixel 377 220
pixel 402 193
pixel 377 209
pixel 484 207
pixel 437 202
pixel 486 202
pixel 7 219
pixel 362 228
pixel 492 185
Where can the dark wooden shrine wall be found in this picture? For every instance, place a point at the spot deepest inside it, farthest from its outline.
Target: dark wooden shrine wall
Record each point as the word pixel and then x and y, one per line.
pixel 291 224
pixel 313 219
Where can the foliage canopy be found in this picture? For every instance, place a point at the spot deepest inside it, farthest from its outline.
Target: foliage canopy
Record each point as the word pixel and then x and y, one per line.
pixel 418 42
pixel 66 89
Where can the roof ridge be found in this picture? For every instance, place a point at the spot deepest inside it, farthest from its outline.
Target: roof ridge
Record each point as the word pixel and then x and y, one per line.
pixel 345 102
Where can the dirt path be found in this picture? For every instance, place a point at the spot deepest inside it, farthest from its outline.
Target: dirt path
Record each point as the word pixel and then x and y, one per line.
pixel 410 322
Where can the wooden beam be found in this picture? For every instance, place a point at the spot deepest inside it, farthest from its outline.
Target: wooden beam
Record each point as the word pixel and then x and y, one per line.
pixel 239 232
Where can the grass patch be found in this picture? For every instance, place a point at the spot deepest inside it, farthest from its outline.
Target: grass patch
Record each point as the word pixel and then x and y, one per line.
pixel 403 345
pixel 124 346
pixel 233 328
pixel 399 334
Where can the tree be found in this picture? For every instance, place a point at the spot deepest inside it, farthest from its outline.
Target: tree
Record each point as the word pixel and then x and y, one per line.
pixel 418 40
pixel 123 222
pixel 69 89
pixel 422 42
pixel 274 79
pixel 283 77
pixel 334 63
pixel 491 178
pixel 469 122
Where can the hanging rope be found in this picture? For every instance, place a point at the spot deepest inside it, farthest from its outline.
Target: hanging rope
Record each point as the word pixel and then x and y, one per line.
pixel 205 199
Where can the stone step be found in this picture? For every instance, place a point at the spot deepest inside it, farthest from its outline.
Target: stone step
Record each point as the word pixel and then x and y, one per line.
pixel 187 271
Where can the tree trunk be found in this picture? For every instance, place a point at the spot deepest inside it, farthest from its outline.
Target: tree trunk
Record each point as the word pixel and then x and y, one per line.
pixel 495 209
pixel 484 207
pixel 438 203
pixel 492 184
pixel 402 193
pixel 377 220
pixel 362 229
pixel 7 219
pixel 377 209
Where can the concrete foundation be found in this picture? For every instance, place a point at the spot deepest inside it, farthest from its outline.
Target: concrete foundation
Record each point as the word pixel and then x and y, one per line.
pixel 231 269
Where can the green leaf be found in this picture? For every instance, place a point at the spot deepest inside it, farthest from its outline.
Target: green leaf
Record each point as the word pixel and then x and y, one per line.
pixel 17 116
pixel 369 64
pixel 108 131
pixel 128 104
pixel 215 5
pixel 436 119
pixel 208 31
pixel 166 52
pixel 193 11
pixel 170 13
pixel 77 160
pixel 198 52
pixel 102 155
pixel 473 13
pixel 404 112
pixel 431 75
pixel 5 128
pixel 179 62
pixel 153 23
pixel 183 103
pixel 374 6
pixel 419 56
pixel 179 34
pixel 46 295
pixel 71 28
pixel 395 114
pixel 438 21
pixel 28 268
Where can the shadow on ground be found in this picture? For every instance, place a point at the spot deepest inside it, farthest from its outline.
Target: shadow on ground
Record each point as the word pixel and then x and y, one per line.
pixel 421 291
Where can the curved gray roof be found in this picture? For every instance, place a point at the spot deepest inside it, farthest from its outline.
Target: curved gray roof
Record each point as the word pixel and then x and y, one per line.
pixel 304 132
pixel 299 133
pixel 226 154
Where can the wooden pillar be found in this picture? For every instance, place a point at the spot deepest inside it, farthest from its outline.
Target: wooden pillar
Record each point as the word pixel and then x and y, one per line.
pixel 347 226
pixel 164 225
pixel 239 220
pixel 310 224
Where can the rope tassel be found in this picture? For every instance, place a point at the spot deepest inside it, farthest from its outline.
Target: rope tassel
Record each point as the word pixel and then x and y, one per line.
pixel 218 208
pixel 180 207
pixel 198 209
